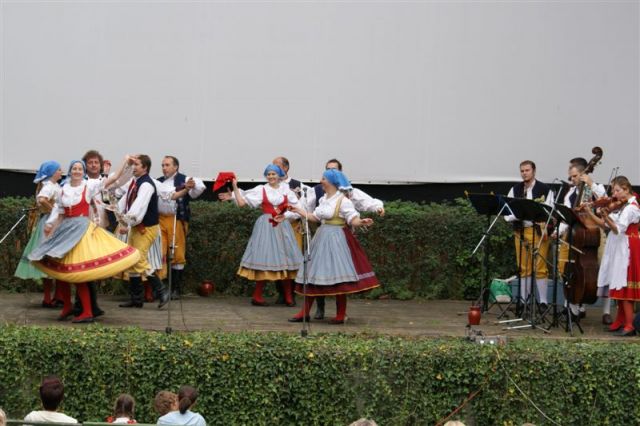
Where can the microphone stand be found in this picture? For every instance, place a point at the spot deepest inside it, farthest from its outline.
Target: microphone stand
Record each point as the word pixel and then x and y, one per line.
pixel 172 250
pixel 24 214
pixel 304 332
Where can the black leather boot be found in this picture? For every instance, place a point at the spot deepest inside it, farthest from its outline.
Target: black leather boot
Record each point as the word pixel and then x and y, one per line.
pixel 136 292
pixel 160 290
pixel 176 284
pixel 320 308
pixel 93 294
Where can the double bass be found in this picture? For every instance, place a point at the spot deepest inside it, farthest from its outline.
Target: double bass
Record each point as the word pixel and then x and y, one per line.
pixel 585 235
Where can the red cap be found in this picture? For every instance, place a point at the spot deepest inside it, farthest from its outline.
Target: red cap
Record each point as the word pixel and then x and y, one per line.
pixel 222 179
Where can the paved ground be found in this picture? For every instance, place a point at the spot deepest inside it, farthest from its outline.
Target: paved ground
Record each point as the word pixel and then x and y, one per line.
pixel 394 317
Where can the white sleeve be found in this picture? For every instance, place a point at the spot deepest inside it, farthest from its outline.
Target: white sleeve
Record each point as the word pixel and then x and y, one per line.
pixel 55 212
pixel 311 200
pixel 348 211
pixel 47 191
pixel 252 196
pixel 197 190
pixel 164 192
pixel 630 214
pixel 94 187
pixel 364 202
pixel 139 208
pixel 292 200
pixel 510 217
pixel 598 190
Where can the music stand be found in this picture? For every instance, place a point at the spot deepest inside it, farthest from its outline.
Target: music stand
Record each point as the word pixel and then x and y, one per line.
pixel 532 211
pixel 567 215
pixel 489 205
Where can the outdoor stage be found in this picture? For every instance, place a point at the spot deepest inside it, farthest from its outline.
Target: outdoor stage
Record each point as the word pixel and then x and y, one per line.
pixel 418 318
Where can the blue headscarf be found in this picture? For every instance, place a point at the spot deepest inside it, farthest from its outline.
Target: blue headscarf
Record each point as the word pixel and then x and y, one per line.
pixel 273 168
pixel 73 162
pixel 46 170
pixel 338 179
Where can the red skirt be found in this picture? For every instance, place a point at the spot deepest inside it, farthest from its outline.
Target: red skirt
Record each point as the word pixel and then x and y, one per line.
pixel 632 290
pixel 366 277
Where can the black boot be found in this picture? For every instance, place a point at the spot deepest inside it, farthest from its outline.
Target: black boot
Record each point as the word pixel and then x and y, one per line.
pixel 136 292
pixel 77 306
pixel 93 294
pixel 320 309
pixel 176 284
pixel 280 300
pixel 160 290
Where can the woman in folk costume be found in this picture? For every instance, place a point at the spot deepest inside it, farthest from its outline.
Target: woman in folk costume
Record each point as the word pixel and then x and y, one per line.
pixel 75 249
pixel 338 265
pixel 272 253
pixel 619 272
pixel 47 193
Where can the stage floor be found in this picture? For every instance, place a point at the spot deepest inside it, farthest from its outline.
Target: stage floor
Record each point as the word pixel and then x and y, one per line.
pixel 439 318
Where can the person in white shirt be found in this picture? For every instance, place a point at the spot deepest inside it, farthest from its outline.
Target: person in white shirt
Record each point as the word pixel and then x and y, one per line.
pixel 362 201
pixel 139 219
pixel 272 253
pixel 177 211
pixel 51 395
pixel 338 264
pixel 532 233
pixel 187 397
pixel 47 192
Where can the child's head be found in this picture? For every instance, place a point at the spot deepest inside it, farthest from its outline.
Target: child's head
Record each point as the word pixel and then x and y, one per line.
pixel 187 396
pixel 51 392
pixel 165 402
pixel 125 406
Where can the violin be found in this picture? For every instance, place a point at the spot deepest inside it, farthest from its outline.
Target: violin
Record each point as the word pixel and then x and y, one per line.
pixel 611 204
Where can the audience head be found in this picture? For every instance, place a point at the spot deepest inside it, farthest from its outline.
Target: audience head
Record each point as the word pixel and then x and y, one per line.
pixel 125 406
pixel 364 422
pixel 187 396
pixel 51 392
pixel 165 402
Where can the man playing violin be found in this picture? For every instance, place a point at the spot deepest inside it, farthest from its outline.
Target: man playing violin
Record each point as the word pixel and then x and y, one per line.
pixel 534 190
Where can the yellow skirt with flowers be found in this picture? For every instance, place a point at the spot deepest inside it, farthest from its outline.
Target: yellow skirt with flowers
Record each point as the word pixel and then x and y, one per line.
pixel 79 251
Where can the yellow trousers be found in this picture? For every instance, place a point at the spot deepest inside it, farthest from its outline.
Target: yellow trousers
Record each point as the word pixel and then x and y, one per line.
pixel 524 259
pixel 142 240
pixel 166 229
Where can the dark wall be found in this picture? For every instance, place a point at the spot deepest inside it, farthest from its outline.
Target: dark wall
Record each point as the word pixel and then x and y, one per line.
pixel 21 184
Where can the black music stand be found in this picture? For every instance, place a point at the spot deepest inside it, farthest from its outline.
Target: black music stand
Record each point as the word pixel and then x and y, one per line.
pixel 565 214
pixel 532 211
pixel 489 205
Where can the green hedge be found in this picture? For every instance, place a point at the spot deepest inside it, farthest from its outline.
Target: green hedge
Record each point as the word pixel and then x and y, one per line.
pixel 268 379
pixel 416 250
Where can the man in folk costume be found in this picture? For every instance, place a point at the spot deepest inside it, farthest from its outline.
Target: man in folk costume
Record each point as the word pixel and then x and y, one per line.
pixel 297 187
pixel 569 197
pixel 178 211
pixel 531 189
pixel 362 201
pixel 140 208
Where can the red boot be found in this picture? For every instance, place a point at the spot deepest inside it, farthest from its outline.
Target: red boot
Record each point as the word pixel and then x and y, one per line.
pixel 341 309
pixel 288 295
pixel 148 292
pixel 304 312
pixel 85 299
pixel 257 299
pixel 65 294
pixel 619 322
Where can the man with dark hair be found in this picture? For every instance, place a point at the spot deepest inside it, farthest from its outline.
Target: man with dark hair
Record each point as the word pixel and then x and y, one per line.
pixel 535 190
pixel 51 395
pixel 178 211
pixel 297 187
pixel 140 220
pixel 362 201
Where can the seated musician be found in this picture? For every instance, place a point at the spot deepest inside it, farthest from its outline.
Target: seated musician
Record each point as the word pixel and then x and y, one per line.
pixel 532 189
